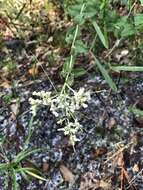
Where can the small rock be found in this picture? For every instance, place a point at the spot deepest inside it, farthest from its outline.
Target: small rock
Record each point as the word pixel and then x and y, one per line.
pixel 98 152
pixel 111 123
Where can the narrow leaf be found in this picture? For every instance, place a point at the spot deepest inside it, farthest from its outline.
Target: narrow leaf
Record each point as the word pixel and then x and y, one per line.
pixel 14 182
pixel 100 34
pixel 105 74
pixel 25 153
pixel 35 175
pixel 127 68
pixel 78 72
pixel 4 166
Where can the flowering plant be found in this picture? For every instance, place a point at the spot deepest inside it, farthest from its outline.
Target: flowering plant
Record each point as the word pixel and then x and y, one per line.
pixel 64 107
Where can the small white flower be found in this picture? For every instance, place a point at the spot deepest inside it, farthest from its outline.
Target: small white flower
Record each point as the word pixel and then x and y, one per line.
pixel 73 139
pixel 84 105
pixel 34 93
pixel 81 97
pixel 63 107
pixel 78 95
pixel 60 121
pixel 55 113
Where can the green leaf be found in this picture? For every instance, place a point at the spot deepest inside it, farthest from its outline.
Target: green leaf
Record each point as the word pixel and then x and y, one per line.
pixel 67 67
pixel 138 19
pixel 137 111
pixel 74 10
pixel 4 166
pixel 127 68
pixel 79 19
pixel 105 74
pixel 14 182
pixel 128 30
pixel 100 34
pixel 78 72
pixel 80 47
pixel 23 154
pixel 32 172
pixel 124 27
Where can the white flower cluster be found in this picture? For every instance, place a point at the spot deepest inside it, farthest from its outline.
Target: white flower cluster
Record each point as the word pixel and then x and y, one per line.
pixel 45 99
pixel 64 107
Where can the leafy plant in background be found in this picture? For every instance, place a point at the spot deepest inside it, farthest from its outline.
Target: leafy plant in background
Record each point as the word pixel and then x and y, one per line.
pixel 102 23
pixel 12 168
pixel 8 66
pixel 20 15
pixel 87 18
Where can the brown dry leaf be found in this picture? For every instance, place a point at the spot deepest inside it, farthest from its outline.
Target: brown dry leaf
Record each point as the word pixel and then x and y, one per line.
pixel 100 151
pixel 139 121
pixel 120 161
pixel 136 168
pixel 105 185
pixel 15 109
pixel 34 70
pixel 67 174
pixel 139 103
pixel 5 84
pixel 89 181
pixel 45 167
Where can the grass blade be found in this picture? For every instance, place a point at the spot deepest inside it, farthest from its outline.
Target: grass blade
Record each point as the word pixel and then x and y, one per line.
pixel 35 175
pixel 127 68
pixel 23 154
pixel 105 74
pixel 14 182
pixel 4 166
pixel 100 34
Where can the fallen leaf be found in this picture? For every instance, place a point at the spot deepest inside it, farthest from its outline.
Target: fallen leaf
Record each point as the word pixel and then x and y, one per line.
pixel 14 109
pixel 5 84
pixel 100 151
pixel 34 70
pixel 136 168
pixel 45 167
pixel 89 181
pixel 67 174
pixel 120 161
pixel 139 103
pixel 105 185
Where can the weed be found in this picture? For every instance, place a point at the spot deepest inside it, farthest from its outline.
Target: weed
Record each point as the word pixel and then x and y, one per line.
pixel 98 18
pixel 64 107
pixel 102 23
pixel 11 168
pixel 9 66
pixel 7 98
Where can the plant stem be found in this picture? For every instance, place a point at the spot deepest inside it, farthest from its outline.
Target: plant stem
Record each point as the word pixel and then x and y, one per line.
pixel 71 52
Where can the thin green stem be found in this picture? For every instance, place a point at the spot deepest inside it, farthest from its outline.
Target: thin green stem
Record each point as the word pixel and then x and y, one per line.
pixel 30 131
pixel 71 52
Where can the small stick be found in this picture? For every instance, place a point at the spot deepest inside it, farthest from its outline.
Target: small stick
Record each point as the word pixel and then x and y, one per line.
pixel 20 12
